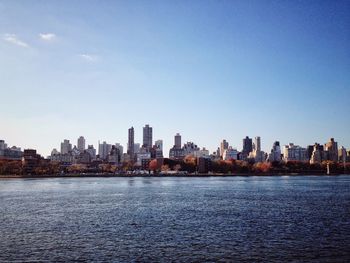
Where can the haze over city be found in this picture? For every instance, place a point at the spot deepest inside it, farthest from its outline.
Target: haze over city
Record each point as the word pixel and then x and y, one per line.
pixel 208 70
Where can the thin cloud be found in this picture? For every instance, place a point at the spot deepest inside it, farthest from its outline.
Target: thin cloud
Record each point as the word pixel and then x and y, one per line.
pixel 13 39
pixel 88 57
pixel 47 36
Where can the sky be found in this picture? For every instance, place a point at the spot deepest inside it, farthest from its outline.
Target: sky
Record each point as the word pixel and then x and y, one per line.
pixel 210 70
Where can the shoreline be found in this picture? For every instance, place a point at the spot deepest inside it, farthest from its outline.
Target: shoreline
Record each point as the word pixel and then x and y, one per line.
pixel 159 175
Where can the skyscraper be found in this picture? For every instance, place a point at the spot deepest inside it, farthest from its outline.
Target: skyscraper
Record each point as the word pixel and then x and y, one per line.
pixel 103 150
pixel 159 144
pixel 131 142
pixel 332 148
pixel 275 154
pixel 81 143
pixel 147 137
pixel 177 141
pixel 247 145
pixel 92 151
pixel 257 144
pixel 65 147
pixel 223 147
pixel 120 148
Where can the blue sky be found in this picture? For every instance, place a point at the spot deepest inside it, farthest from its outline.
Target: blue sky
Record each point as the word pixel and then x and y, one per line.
pixel 210 70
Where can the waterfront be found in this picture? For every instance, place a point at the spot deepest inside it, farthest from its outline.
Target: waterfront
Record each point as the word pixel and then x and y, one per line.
pixel 282 218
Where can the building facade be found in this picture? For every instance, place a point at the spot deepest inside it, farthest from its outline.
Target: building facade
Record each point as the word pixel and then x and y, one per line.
pixel 66 147
pixel 131 143
pixel 81 143
pixel 177 141
pixel 332 150
pixel 293 152
pixel 103 150
pixel 147 137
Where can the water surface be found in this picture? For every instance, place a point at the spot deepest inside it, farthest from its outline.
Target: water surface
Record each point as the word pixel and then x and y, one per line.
pixel 267 219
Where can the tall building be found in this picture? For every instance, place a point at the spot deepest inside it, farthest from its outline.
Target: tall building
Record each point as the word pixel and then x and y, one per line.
pixel 275 154
pixel 92 151
pixel 257 144
pixel 3 146
pixel 103 150
pixel 120 148
pixel 131 143
pixel 147 137
pixel 342 155
pixel 114 156
pixel 177 141
pixel 137 147
pixel 256 153
pixel 223 147
pixel 332 148
pixel 189 148
pixel 81 143
pixel 159 144
pixel 230 154
pixel 157 149
pixel 293 152
pixel 317 154
pixel 247 145
pixel 66 147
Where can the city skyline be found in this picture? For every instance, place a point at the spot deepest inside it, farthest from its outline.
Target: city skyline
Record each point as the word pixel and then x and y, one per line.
pixel 68 145
pixel 208 70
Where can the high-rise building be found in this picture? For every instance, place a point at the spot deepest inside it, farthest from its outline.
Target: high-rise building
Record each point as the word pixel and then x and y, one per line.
pixel 275 155
pixel 293 152
pixel 147 137
pixel 3 146
pixel 66 147
pixel 332 148
pixel 177 141
pixel 120 148
pixel 230 154
pixel 157 149
pixel 103 150
pixel 131 143
pixel 247 145
pixel 257 144
pixel 342 155
pixel 257 154
pixel 159 144
pixel 223 147
pixel 92 151
pixel 114 155
pixel 81 143
pixel 317 154
pixel 189 148
pixel 137 147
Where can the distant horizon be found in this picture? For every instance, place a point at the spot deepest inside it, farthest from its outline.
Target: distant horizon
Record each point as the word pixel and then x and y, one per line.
pixel 209 70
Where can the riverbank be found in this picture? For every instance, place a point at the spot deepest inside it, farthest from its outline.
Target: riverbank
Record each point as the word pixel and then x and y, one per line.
pixel 160 175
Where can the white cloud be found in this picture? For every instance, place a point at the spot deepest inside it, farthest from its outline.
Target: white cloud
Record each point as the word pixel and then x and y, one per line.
pixel 47 36
pixel 12 38
pixel 88 57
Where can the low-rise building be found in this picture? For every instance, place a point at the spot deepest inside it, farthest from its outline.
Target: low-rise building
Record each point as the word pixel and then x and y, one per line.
pixel 204 164
pixel 30 161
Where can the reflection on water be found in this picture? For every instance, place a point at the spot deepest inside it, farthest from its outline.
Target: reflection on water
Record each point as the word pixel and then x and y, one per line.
pixel 242 219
